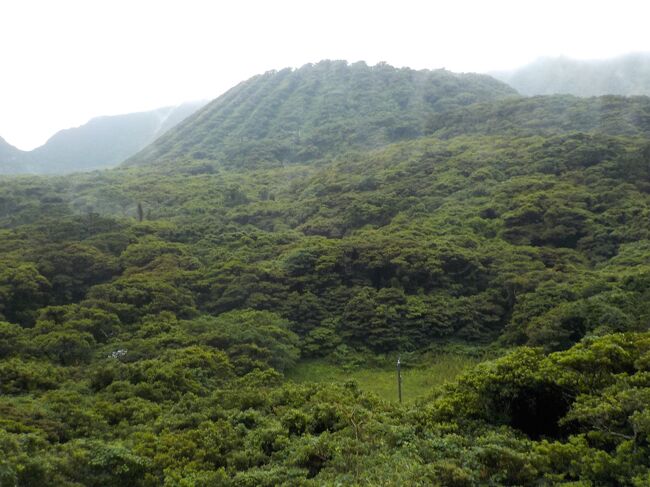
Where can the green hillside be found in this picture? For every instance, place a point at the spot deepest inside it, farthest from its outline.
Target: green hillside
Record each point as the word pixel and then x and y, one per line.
pixel 319 110
pixel 159 322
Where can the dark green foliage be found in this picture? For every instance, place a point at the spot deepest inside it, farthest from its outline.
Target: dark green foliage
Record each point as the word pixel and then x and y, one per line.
pixel 22 290
pixel 19 376
pixel 253 338
pixel 12 339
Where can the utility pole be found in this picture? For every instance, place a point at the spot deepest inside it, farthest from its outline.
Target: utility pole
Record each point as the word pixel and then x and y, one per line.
pixel 399 378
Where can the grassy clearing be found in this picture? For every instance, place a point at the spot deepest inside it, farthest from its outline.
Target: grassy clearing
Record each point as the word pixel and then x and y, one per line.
pixel 416 382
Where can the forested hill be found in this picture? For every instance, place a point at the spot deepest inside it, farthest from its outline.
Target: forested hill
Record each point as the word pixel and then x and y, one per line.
pixel 625 75
pixel 322 109
pixel 101 143
pixel 151 315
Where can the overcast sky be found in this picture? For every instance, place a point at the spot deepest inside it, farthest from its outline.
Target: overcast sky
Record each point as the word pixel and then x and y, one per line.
pixel 66 61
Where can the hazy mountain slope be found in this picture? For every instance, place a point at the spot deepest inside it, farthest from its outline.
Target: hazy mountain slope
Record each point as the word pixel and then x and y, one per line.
pixel 303 114
pixel 10 157
pixel 101 143
pixel 625 75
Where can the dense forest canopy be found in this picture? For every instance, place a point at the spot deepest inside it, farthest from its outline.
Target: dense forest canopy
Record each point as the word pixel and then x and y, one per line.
pixel 149 314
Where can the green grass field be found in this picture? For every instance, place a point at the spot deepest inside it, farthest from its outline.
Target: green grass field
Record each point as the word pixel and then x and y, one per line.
pixel 416 382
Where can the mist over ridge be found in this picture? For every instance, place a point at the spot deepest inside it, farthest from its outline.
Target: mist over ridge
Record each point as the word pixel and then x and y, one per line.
pixel 626 75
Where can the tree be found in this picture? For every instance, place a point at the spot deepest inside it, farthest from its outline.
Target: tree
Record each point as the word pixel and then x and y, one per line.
pixel 140 212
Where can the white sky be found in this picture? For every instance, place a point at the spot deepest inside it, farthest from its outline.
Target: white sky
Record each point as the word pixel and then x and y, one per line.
pixel 65 61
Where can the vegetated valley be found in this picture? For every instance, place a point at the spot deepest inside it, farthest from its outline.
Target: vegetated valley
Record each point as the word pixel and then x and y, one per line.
pixel 226 307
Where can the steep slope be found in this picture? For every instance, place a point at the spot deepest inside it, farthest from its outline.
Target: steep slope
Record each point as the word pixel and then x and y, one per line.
pixel 317 110
pixel 101 143
pixel 625 75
